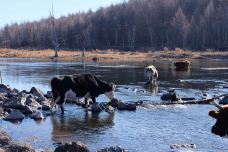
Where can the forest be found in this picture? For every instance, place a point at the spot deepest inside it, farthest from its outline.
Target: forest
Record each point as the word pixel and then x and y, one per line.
pixel 128 26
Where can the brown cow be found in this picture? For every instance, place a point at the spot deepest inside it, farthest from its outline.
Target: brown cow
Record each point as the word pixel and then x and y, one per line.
pixel 182 64
pixel 221 126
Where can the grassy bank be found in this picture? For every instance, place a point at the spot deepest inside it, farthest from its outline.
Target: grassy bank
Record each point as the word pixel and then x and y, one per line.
pixel 110 55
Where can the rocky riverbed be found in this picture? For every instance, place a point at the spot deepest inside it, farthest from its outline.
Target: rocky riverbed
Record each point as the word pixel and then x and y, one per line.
pixel 16 105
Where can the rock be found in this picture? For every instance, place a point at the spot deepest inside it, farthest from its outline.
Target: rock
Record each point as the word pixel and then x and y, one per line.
pixel 113 102
pixel 30 101
pixel 28 110
pixel 14 102
pixel 7 145
pixel 38 94
pixel 224 100
pixel 3 113
pixel 48 95
pixel 113 149
pixel 45 105
pixel 72 147
pixel 2 97
pixel 4 88
pixel 4 139
pixel 37 115
pixel 15 116
pixel 178 146
pixel 109 109
pixel 18 147
pixel 126 106
pixel 170 96
pixel 96 108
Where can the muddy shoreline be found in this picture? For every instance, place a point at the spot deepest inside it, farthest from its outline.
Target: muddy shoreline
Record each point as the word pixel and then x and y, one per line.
pixel 112 55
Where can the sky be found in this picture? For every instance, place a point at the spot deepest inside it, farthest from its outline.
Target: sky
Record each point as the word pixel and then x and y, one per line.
pixel 20 11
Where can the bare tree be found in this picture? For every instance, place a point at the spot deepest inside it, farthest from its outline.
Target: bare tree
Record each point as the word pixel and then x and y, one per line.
pixel 53 36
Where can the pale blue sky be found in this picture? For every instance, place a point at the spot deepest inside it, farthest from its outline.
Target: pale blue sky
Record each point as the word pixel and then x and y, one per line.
pixel 12 11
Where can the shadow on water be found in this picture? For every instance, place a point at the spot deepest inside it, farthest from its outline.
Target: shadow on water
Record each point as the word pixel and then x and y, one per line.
pixel 65 125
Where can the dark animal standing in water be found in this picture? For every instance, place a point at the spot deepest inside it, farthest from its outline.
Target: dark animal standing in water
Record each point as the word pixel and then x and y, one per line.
pixel 151 74
pixel 221 126
pixel 79 86
pixel 182 64
pixel 170 96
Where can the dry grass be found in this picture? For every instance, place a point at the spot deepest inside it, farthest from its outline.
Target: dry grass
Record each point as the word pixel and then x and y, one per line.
pixel 109 55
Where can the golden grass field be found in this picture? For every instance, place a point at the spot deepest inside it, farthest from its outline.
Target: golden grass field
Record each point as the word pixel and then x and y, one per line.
pixel 110 55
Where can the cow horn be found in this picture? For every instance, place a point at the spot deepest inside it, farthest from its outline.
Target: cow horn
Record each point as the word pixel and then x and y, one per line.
pixel 217 105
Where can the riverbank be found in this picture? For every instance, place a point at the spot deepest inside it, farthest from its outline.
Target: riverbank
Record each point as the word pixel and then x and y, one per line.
pixel 113 55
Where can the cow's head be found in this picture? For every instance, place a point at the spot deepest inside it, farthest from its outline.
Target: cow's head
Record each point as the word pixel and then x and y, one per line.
pixel 110 91
pixel 221 126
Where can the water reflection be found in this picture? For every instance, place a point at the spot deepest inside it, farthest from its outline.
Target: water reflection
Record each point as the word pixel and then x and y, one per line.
pixel 65 125
pixel 152 87
pixel 184 73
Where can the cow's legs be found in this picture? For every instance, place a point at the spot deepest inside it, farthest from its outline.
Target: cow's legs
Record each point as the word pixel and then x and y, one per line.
pixel 62 101
pixel 93 99
pixel 55 99
pixel 87 96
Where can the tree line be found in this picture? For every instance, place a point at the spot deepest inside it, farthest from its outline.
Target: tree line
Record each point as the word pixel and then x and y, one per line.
pixel 131 25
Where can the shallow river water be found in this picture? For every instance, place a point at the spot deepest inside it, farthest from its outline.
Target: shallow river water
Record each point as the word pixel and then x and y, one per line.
pixel 151 128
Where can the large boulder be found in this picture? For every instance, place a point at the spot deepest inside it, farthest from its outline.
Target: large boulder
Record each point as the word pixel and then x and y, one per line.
pixel 72 147
pixel 112 149
pixel 4 88
pixel 39 95
pixel 30 101
pixel 15 116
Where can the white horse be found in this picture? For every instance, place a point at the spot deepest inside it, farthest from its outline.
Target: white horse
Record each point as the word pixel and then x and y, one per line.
pixel 151 74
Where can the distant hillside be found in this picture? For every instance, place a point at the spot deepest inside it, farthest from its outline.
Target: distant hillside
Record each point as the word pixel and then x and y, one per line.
pixel 132 25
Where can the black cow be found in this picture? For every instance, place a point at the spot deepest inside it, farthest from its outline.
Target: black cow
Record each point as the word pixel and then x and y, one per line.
pixel 221 126
pixel 78 86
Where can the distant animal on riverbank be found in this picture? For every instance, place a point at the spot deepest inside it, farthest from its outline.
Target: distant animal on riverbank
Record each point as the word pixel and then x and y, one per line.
pixel 150 73
pixel 79 86
pixel 182 64
pixel 221 126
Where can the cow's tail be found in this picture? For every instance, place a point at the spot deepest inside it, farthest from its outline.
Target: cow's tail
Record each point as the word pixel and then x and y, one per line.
pixel 55 94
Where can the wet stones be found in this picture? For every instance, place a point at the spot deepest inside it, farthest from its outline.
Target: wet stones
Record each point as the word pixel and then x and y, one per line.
pixel 15 116
pixel 39 96
pixel 4 88
pixel 4 139
pixel 224 100
pixel 109 109
pixel 22 103
pixel 72 147
pixel 123 106
pixel 170 96
pixel 8 145
pixel 126 106
pixel 113 149
pixel 183 146
pixel 37 115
